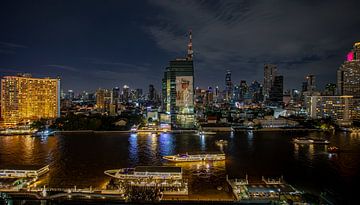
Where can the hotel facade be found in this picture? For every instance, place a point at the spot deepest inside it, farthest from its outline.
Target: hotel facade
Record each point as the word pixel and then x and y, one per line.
pixel 25 99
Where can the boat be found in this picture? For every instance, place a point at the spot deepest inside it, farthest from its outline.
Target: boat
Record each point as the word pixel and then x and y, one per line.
pixel 206 133
pixel 146 172
pixel 194 157
pixel 44 133
pixel 333 149
pixel 24 173
pixel 303 140
pixel 320 141
pixel 221 142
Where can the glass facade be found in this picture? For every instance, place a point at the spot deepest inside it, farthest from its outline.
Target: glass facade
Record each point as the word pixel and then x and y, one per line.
pixel 178 93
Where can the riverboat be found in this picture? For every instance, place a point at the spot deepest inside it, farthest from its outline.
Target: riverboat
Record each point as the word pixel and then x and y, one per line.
pixel 303 141
pixel 24 173
pixel 143 172
pixel 194 157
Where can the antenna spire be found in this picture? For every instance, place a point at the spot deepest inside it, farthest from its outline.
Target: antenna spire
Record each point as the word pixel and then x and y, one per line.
pixel 190 50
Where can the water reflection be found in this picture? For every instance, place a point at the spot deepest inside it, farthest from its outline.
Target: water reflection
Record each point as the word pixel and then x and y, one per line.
pixel 166 144
pixel 133 149
pixel 202 142
pixel 250 137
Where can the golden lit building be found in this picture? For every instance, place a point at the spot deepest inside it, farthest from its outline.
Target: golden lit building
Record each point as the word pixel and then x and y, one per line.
pixel 24 98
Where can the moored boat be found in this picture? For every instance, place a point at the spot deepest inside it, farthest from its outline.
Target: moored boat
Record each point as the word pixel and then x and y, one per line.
pixel 303 140
pixel 194 157
pixel 333 149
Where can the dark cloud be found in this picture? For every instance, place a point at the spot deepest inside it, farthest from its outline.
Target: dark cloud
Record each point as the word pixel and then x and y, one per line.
pixel 92 44
pixel 299 36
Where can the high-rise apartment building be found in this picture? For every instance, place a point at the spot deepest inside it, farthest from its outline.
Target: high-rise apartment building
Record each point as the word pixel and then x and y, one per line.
pixel 348 75
pixel 270 71
pixel 24 98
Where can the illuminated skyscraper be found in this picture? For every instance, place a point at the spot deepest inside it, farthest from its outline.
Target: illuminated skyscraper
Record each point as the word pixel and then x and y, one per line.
pixel 178 90
pixel 348 75
pixel 24 98
pixel 228 86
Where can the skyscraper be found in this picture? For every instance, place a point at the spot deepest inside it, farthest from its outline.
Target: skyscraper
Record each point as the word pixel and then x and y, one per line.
pixel 270 71
pixel 24 98
pixel 310 79
pixel 178 90
pixel 151 96
pixel 348 75
pixel 228 86
pixel 276 92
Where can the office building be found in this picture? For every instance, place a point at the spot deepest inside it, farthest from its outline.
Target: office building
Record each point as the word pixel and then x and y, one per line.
pixel 24 98
pixel 228 86
pixel 270 71
pixel 178 90
pixel 277 89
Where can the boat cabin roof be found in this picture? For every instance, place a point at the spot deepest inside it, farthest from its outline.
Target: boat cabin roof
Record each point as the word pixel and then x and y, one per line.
pixel 158 169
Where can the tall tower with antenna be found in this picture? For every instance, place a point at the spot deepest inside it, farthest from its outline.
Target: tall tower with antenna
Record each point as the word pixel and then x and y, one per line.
pixel 190 52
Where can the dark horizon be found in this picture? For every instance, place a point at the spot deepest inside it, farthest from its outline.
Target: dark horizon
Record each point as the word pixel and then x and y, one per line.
pixel 92 44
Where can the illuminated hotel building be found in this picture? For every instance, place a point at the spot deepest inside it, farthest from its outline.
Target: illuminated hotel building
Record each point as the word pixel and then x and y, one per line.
pixel 335 107
pixel 348 75
pixel 178 91
pixel 24 98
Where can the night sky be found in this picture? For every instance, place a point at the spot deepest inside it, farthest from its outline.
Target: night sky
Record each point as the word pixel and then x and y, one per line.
pixel 104 43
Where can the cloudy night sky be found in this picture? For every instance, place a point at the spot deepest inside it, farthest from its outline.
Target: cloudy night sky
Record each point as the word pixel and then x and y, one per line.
pixel 108 43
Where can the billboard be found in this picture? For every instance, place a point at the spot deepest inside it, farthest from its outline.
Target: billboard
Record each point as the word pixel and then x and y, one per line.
pixel 184 91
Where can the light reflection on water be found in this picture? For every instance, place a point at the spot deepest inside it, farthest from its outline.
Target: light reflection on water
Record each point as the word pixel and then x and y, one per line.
pixel 81 158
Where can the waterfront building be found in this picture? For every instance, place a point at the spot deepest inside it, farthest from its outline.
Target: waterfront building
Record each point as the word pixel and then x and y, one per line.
pixel 178 90
pixel 25 98
pixel 335 107
pixel 270 71
pixel 348 75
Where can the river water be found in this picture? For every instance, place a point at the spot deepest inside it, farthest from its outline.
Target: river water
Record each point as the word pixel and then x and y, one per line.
pixel 81 158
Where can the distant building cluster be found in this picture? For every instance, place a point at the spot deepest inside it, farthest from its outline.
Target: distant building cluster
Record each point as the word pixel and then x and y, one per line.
pixel 181 105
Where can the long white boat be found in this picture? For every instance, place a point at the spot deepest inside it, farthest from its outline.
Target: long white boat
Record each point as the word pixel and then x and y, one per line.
pixel 24 173
pixel 195 157
pixel 143 172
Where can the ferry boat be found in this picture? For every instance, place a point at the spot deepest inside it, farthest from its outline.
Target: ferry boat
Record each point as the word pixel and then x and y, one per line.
pixel 194 157
pixel 303 140
pixel 320 141
pixel 44 133
pixel 24 173
pixel 206 133
pixel 144 172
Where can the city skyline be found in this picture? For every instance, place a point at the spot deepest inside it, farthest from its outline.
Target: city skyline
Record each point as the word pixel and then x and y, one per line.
pixel 91 45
